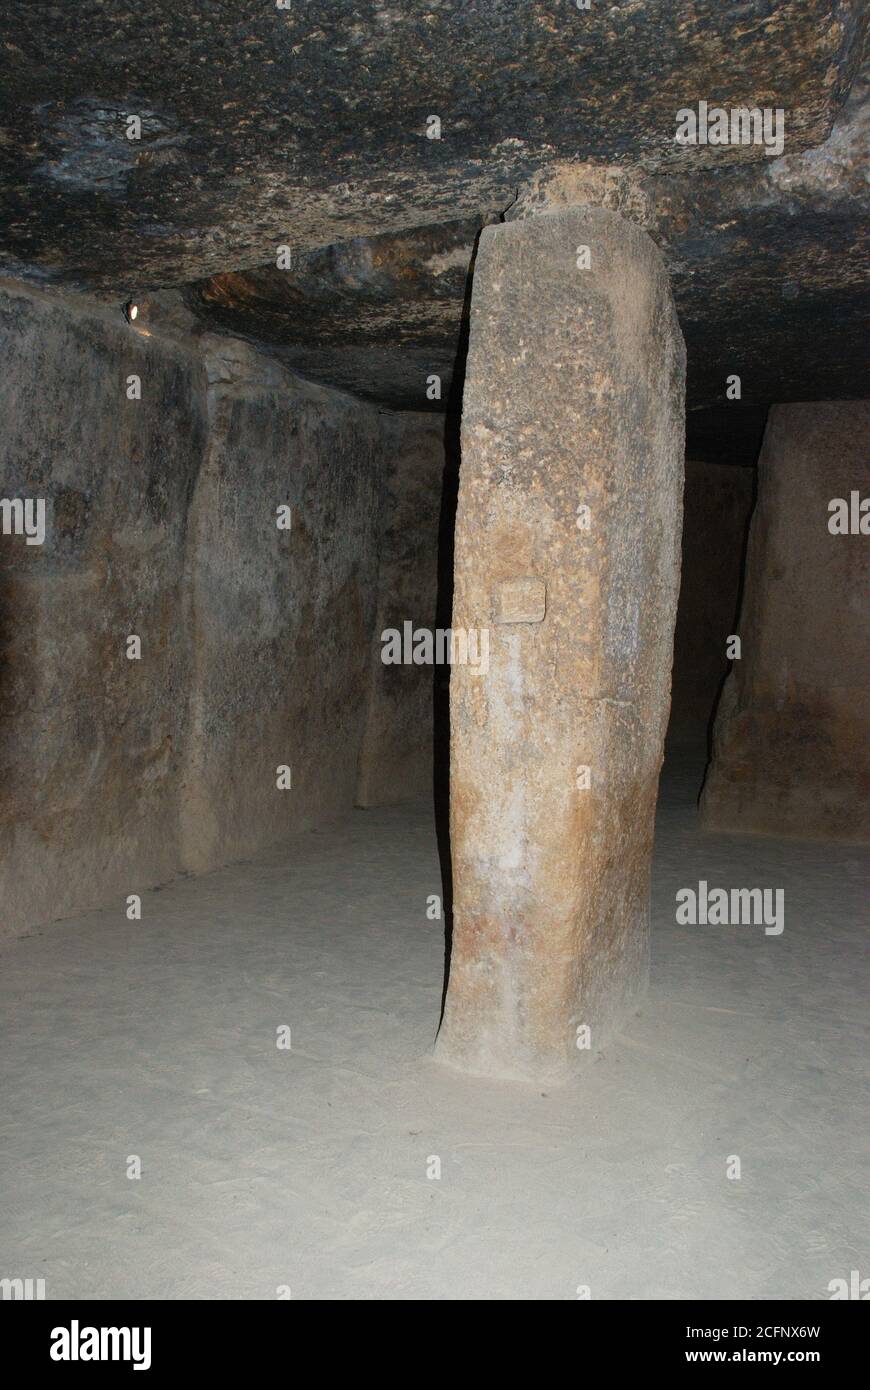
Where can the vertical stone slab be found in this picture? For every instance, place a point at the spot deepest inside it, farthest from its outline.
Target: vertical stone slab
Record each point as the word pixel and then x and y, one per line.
pixel 567 552
pixel 280 621
pixel 791 749
pixel 90 740
pixel 395 760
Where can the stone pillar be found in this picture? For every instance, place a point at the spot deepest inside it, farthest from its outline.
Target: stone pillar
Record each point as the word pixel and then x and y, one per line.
pixel 567 554
pixel 791 744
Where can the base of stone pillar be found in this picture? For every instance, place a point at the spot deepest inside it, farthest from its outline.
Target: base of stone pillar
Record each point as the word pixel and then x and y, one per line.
pixel 504 1053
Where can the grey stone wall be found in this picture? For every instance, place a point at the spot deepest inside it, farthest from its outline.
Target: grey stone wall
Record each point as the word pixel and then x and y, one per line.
pixel 91 742
pixel 116 774
pixel 790 743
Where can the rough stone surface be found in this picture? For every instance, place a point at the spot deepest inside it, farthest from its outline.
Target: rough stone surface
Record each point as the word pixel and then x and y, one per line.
pixel 280 620
pixel 717 504
pixel 521 600
pixel 259 123
pixel 573 399
pixel 306 128
pixel 769 266
pixel 396 757
pixel 91 741
pixel 791 748
pixel 116 774
pixel 377 316
pixel 769 262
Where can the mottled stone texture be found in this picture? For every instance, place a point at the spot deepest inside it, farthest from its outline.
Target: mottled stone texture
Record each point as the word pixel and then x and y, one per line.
pixel 769 265
pixel 90 742
pixel 717 502
pixel 792 737
pixel 310 120
pixel 281 621
pixel 117 774
pixel 396 758
pixel 573 399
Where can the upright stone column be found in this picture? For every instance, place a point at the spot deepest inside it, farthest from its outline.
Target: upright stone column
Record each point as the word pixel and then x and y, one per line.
pixel 791 744
pixel 568 554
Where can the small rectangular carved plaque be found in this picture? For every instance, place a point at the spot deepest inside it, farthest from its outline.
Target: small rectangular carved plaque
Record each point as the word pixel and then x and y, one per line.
pixel 522 600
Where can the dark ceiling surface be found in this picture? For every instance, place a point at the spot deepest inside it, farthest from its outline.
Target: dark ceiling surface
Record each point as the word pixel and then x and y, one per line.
pixel 306 127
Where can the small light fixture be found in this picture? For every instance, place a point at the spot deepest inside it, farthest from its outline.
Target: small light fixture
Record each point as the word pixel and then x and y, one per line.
pixel 131 311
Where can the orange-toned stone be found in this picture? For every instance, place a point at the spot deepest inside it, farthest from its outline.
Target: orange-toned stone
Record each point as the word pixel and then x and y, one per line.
pixel 572 458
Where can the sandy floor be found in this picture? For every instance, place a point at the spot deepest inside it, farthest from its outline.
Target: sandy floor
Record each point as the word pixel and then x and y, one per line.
pixel 308 1168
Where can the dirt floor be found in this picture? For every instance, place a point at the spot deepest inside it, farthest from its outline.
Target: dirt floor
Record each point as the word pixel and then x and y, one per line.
pixel 307 1168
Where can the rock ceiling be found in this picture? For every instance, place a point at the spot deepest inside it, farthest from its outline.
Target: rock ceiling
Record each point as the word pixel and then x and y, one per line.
pixel 306 127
